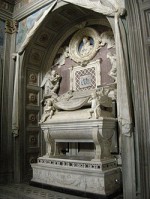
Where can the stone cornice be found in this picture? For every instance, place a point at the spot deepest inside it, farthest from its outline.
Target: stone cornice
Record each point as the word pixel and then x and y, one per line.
pixel 6 10
pixel 4 14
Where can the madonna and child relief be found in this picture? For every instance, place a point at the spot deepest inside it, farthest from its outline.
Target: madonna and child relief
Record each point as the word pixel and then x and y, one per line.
pixel 85 46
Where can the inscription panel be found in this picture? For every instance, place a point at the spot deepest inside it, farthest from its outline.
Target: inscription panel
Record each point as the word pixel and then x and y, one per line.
pixel 85 78
pixel 85 81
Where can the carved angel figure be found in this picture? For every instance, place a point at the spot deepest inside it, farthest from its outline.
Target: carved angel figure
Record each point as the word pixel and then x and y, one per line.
pixel 51 83
pixel 64 53
pixel 95 106
pixel 48 110
pixel 107 38
pixel 113 71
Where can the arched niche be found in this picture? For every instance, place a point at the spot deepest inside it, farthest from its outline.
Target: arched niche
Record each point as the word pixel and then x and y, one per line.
pixel 38 57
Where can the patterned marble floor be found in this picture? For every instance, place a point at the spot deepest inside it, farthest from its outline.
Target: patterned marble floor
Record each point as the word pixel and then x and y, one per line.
pixel 25 191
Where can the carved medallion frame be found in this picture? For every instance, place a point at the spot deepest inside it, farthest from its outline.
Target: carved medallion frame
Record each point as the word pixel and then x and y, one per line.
pixel 76 41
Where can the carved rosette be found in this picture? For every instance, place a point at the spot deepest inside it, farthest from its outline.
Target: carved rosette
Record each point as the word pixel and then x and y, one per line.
pixel 76 44
pixel 32 79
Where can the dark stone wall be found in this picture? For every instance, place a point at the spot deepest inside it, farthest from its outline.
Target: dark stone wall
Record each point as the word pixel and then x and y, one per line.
pixel 138 29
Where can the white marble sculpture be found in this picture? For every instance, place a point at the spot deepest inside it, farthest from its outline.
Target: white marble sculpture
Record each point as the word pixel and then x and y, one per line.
pixel 64 53
pixel 116 9
pixel 83 45
pixel 51 83
pixel 107 38
pixel 106 7
pixel 48 110
pixel 99 98
pixel 86 47
pixel 95 106
pixel 113 71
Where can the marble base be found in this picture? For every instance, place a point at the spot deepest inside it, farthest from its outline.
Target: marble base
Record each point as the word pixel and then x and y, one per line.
pixel 84 176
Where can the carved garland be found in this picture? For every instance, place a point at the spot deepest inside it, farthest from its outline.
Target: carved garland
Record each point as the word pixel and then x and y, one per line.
pixel 76 43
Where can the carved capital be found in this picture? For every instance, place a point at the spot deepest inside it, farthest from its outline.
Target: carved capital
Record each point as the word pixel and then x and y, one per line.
pixel 11 26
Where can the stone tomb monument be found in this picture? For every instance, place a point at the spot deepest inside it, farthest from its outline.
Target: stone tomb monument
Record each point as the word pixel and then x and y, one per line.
pixel 81 115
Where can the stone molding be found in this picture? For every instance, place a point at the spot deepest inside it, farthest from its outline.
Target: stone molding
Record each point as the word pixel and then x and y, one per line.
pixel 79 164
pixel 6 10
pixel 5 14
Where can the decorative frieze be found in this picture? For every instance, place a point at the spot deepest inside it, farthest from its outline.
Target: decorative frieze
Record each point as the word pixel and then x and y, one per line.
pixel 108 164
pixel 86 180
pixel 6 6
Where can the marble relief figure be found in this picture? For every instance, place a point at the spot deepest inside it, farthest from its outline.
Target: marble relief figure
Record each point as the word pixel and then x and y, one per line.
pixel 51 83
pixel 95 106
pixel 63 54
pixel 85 96
pixel 107 38
pixel 48 110
pixel 86 47
pixel 113 72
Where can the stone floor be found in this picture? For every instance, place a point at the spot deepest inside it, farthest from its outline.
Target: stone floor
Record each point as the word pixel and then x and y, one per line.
pixel 25 191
